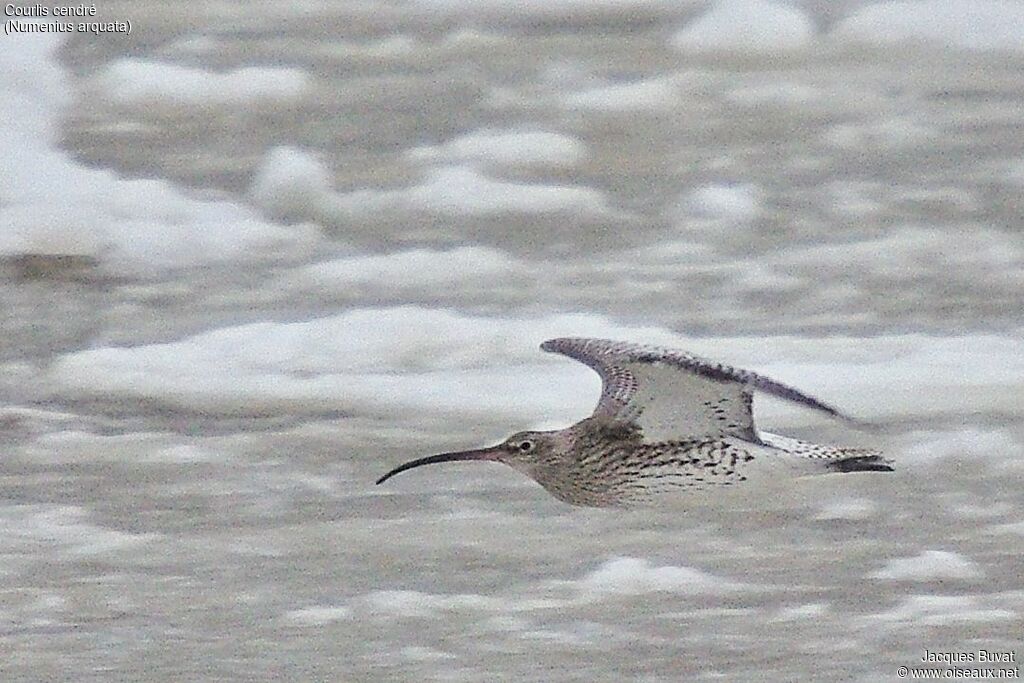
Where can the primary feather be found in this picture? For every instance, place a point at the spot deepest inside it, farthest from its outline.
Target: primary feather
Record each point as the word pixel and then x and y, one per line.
pixel 673 394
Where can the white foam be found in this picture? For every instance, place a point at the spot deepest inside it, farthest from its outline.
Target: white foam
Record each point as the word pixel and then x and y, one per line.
pixel 292 182
pixel 811 610
pixel 194 44
pixel 70 445
pixel 43 608
pixel 930 565
pixel 908 246
pixel 886 376
pixel 901 132
pixel 34 88
pixel 435 360
pixel 551 9
pixel 672 252
pixel 967 24
pixel 52 205
pixel 1007 528
pixel 779 93
pixel 412 269
pixel 63 528
pixel 753 276
pixel 909 253
pixel 856 199
pixel 969 442
pixel 417 653
pixel 318 615
pixel 916 611
pixel 55 230
pixel 571 637
pixel 464 190
pixel 25 421
pixel 407 603
pixel 139 82
pixel 1012 171
pixel 852 509
pixel 506 148
pixel 390 47
pixel 751 26
pixel 133 224
pixel 184 453
pixel 387 359
pixel 737 203
pixel 636 96
pixel 625 576
pixel 974 511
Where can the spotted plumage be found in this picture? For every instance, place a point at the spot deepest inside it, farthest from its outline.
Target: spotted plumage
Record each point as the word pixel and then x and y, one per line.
pixel 667 423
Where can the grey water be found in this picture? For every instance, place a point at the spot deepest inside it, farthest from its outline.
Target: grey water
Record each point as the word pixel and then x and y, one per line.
pixel 837 192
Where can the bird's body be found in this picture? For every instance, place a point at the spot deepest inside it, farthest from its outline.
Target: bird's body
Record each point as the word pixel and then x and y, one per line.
pixel 668 423
pixel 609 464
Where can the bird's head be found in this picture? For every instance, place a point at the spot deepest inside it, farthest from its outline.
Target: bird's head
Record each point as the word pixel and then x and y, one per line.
pixel 524 451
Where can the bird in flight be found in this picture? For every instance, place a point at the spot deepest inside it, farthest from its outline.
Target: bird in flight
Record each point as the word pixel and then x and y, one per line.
pixel 667 422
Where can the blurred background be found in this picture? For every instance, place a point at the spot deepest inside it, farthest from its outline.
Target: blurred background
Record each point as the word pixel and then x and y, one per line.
pixel 253 255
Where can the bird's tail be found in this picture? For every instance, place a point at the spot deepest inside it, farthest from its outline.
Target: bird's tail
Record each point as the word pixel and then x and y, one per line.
pixel 819 459
pixel 860 463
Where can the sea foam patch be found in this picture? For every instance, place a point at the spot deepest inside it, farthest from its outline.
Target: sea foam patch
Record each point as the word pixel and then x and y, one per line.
pixel 848 509
pixel 374 360
pixel 750 26
pixel 964 443
pixel 51 205
pixel 465 190
pixel 653 94
pixel 131 225
pixel 627 576
pixel 551 9
pixel 813 610
pixel 615 578
pixel 35 89
pixel 291 183
pixel 408 603
pixel 71 445
pixel 930 565
pixel 950 611
pixel 416 358
pixel 506 148
pixel 144 82
pixel 412 269
pixel 1007 528
pixel 886 376
pixel 66 529
pixel 318 615
pixel 724 203
pixel 887 133
pixel 280 188
pixel 966 24
pixel 912 252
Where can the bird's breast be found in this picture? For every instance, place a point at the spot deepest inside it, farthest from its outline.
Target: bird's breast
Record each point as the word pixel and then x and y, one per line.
pixel 631 475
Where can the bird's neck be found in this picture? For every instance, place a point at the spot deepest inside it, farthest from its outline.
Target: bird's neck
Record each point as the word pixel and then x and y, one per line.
pixel 579 475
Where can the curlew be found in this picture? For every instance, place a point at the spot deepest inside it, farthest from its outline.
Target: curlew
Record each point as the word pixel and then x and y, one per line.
pixel 668 422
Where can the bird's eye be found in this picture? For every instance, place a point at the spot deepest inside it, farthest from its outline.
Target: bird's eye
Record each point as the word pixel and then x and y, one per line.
pixel 526 446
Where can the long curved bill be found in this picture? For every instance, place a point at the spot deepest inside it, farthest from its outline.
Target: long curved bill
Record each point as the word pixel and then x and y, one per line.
pixel 478 454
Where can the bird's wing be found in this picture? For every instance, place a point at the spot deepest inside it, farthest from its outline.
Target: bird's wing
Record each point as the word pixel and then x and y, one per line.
pixel 672 394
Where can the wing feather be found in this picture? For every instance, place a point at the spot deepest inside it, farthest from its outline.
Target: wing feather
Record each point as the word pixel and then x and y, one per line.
pixel 673 394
